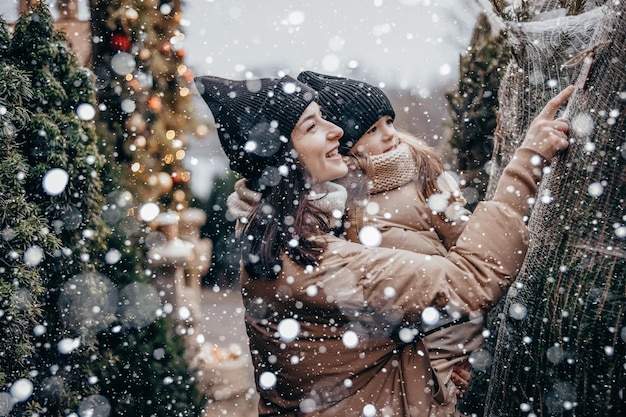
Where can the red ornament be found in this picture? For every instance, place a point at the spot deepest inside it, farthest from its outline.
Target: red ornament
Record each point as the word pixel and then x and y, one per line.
pixel 155 104
pixel 176 177
pixel 121 42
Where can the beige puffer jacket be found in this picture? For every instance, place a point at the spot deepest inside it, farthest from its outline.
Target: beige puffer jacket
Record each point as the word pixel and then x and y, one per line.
pixel 405 221
pixel 352 353
pixel 402 212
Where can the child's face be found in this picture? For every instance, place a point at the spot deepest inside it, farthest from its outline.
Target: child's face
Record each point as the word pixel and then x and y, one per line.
pixel 381 137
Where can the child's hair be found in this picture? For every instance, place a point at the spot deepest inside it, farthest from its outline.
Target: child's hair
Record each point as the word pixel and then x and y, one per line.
pixel 429 163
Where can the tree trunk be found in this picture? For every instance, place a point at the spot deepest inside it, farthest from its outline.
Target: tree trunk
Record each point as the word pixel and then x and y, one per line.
pixel 561 346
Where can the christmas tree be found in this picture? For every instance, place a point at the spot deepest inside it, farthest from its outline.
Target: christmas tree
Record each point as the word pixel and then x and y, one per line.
pixel 473 107
pixel 144 91
pixel 24 233
pixel 83 330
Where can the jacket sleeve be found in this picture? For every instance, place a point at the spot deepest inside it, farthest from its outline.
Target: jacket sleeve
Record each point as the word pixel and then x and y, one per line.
pixel 492 247
pixel 241 204
pixel 473 275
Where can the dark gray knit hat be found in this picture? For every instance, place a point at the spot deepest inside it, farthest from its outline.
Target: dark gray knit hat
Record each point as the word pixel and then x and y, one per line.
pixel 255 119
pixel 350 104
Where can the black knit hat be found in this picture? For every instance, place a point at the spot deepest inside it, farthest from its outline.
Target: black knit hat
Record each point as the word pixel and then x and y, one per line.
pixel 350 104
pixel 255 119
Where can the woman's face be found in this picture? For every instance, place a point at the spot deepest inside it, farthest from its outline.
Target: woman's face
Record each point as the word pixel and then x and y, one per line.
pixel 381 137
pixel 316 140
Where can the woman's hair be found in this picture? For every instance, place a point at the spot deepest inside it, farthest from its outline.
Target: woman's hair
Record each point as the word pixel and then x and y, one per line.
pixel 284 221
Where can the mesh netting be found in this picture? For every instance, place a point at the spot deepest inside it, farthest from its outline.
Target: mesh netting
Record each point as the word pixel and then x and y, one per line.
pixel 561 345
pixel 544 62
pixel 541 49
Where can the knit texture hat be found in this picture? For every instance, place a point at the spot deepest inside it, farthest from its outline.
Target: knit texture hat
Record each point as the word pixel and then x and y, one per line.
pixel 254 120
pixel 350 104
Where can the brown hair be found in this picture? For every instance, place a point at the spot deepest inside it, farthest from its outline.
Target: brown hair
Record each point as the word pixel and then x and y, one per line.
pixel 284 215
pixel 428 163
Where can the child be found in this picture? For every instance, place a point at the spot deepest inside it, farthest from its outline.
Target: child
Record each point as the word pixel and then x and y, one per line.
pixel 401 198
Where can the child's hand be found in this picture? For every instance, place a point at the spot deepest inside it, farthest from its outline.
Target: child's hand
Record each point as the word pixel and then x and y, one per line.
pixel 461 377
pixel 547 135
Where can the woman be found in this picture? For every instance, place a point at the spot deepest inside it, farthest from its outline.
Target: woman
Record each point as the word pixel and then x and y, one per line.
pixel 332 324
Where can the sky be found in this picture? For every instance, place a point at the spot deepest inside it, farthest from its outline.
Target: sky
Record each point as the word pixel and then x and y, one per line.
pixel 400 43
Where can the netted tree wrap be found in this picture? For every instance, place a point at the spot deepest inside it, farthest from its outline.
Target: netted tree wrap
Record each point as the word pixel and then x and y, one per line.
pixel 519 101
pixel 541 50
pixel 561 348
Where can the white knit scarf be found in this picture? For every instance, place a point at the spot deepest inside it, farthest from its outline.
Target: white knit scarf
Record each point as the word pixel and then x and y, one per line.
pixel 329 197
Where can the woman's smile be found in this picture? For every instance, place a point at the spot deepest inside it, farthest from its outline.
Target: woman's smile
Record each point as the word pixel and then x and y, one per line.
pixel 311 138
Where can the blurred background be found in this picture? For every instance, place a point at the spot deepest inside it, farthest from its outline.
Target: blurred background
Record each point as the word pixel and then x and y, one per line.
pixel 410 48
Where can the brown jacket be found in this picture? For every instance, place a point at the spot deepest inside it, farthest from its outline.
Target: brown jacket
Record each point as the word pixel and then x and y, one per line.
pixel 347 357
pixel 405 221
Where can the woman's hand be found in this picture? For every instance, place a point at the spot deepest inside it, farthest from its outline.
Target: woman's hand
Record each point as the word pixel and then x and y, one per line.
pixel 461 377
pixel 547 135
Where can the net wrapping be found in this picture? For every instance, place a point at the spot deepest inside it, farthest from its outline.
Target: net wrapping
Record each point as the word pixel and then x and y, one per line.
pixel 560 348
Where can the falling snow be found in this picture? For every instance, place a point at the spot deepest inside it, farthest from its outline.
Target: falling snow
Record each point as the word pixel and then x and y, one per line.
pixel 91 304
